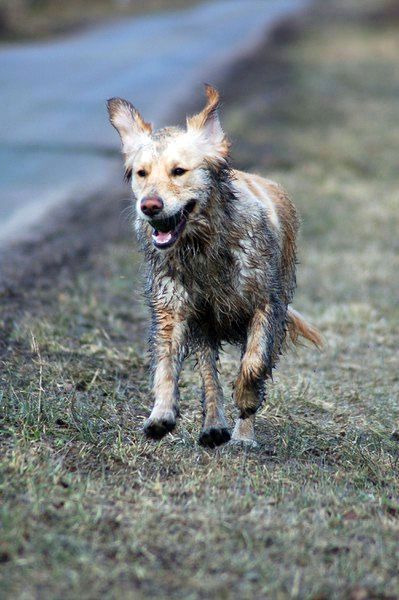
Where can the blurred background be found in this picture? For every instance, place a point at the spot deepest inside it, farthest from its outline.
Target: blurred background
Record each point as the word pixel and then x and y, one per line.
pixel 31 19
pixel 60 61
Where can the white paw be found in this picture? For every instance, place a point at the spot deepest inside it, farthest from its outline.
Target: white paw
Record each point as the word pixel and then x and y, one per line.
pixel 249 443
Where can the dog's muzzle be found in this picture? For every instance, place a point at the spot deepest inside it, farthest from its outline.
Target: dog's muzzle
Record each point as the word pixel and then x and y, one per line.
pixel 168 230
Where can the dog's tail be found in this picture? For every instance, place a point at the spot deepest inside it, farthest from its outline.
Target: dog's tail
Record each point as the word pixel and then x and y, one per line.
pixel 297 327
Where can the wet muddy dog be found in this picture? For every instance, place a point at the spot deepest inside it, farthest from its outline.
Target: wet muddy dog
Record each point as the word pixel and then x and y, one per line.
pixel 220 247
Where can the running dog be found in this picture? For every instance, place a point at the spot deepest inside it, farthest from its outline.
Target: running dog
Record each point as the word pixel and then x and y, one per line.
pixel 221 254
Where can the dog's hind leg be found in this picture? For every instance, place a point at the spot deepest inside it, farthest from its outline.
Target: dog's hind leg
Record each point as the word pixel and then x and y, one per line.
pixel 214 429
pixel 169 347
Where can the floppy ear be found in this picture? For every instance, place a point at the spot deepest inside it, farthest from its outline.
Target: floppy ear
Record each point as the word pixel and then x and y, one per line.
pixel 207 124
pixel 128 122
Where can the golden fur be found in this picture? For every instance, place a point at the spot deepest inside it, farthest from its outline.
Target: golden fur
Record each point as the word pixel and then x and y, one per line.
pixel 220 246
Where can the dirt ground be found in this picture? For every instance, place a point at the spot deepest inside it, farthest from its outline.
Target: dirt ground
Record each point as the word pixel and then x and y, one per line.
pixel 88 507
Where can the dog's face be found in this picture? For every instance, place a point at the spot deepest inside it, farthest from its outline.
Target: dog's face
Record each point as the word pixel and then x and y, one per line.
pixel 169 169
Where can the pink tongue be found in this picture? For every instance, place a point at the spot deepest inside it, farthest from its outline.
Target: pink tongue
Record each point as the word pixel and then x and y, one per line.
pixel 163 238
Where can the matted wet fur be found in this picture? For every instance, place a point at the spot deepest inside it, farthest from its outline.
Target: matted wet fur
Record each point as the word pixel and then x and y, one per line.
pixel 220 250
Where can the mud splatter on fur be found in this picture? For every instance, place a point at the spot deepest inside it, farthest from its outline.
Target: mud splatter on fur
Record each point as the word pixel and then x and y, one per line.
pixel 220 247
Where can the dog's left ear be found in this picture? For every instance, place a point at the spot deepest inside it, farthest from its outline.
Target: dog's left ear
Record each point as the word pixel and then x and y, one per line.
pixel 207 124
pixel 129 123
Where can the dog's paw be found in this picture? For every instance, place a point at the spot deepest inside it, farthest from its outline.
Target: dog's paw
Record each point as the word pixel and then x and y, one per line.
pixel 248 443
pixel 214 436
pixel 157 428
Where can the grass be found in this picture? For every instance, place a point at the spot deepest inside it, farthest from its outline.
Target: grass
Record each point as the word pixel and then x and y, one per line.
pixel 89 508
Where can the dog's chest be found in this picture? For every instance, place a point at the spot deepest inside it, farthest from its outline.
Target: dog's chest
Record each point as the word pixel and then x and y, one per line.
pixel 211 281
pixel 225 285
pixel 217 295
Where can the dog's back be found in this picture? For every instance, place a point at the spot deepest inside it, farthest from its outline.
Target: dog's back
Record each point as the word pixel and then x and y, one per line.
pixel 282 218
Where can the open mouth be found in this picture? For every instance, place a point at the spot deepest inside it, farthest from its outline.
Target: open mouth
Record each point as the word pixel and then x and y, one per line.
pixel 167 231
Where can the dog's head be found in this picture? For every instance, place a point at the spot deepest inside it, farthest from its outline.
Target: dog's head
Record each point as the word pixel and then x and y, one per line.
pixel 170 169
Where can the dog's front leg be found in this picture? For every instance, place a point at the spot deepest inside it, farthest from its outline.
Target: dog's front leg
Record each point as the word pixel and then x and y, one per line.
pixel 264 341
pixel 168 347
pixel 214 428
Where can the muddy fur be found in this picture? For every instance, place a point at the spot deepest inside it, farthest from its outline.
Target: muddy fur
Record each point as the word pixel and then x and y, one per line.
pixel 228 277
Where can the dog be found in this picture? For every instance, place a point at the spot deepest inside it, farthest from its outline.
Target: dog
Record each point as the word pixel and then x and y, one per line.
pixel 220 246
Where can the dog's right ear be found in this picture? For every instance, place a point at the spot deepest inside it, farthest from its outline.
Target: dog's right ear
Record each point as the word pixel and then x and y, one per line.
pixel 128 122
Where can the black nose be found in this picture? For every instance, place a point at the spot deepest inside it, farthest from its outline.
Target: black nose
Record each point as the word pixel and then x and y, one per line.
pixel 151 205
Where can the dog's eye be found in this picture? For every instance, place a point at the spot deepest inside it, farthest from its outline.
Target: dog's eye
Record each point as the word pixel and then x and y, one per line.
pixel 178 171
pixel 141 173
